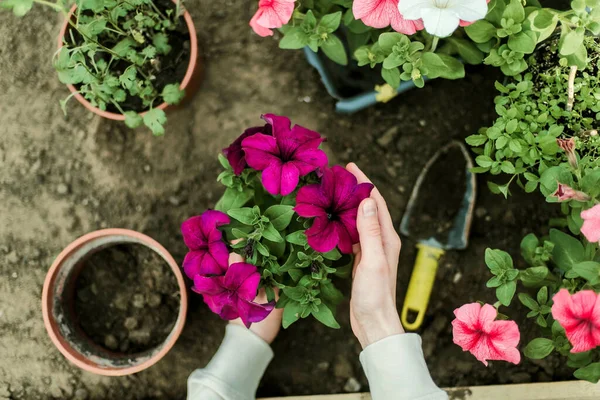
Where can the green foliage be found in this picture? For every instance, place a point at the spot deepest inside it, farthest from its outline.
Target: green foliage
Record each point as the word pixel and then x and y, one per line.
pixel 112 53
pixel 269 234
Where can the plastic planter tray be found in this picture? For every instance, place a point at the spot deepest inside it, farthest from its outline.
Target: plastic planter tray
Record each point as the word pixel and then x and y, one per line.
pixel 337 79
pixel 571 390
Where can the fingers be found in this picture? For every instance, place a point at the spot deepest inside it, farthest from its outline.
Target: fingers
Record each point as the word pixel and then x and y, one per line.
pixel 369 231
pixel 235 258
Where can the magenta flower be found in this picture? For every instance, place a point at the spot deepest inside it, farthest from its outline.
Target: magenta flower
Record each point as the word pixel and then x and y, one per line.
pixel 284 157
pixel 208 253
pixel 334 204
pixel 231 296
pixel 235 154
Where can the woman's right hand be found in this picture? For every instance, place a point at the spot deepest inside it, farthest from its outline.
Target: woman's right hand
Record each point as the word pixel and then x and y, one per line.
pixel 373 312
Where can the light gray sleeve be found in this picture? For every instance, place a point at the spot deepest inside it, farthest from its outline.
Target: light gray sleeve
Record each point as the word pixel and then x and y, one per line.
pixel 396 370
pixel 235 370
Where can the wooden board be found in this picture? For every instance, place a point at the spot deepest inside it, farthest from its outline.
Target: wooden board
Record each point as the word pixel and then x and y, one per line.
pixel 575 390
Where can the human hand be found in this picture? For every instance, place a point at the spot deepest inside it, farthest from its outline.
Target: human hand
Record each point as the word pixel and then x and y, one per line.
pixel 268 328
pixel 373 312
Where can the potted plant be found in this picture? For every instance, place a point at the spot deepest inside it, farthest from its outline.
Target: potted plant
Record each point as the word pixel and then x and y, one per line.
pixel 268 216
pixel 545 140
pixel 357 45
pixel 125 60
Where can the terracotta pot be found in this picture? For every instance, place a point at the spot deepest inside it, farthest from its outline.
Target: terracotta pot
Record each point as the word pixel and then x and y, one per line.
pixel 58 306
pixel 191 81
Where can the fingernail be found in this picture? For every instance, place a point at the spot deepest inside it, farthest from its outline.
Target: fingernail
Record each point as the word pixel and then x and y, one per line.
pixel 369 208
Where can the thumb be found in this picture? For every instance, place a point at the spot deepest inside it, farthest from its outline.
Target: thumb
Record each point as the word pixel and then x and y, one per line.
pixel 369 230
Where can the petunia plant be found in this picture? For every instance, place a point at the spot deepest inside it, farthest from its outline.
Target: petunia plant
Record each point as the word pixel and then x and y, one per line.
pixel 289 215
pixel 407 40
pixel 119 55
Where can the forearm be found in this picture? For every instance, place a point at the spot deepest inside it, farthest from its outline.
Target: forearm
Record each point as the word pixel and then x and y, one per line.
pixel 396 370
pixel 235 370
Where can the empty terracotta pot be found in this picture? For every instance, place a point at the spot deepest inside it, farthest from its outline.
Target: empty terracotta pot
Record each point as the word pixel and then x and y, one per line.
pixel 58 306
pixel 190 83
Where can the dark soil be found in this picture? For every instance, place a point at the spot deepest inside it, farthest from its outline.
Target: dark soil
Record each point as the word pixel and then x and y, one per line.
pixel 127 298
pixel 439 197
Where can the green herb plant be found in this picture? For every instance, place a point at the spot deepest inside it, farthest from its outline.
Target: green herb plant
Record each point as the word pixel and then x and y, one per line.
pixel 111 53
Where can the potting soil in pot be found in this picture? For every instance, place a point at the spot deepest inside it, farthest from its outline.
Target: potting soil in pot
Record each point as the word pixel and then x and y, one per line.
pixel 127 298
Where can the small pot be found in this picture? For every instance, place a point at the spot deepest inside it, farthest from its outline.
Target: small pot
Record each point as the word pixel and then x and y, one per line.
pixel 58 306
pixel 191 81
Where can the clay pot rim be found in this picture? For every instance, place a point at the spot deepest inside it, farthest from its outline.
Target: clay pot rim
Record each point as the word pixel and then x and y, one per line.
pixel 184 83
pixel 77 358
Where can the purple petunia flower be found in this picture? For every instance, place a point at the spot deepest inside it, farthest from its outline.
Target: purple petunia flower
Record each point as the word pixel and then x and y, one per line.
pixel 284 157
pixel 334 205
pixel 208 253
pixel 235 154
pixel 231 296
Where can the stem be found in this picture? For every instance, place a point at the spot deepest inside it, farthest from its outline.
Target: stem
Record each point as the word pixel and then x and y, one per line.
pixel 49 4
pixel 571 88
pixel 434 43
pixel 158 11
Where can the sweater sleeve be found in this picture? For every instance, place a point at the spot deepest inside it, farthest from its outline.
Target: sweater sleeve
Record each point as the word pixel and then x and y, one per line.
pixel 396 370
pixel 235 370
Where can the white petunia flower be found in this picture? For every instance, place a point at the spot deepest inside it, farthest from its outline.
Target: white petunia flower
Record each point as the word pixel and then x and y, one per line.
pixel 442 17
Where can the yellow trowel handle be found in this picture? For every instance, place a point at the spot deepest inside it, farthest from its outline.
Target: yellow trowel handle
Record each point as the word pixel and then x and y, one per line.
pixel 420 286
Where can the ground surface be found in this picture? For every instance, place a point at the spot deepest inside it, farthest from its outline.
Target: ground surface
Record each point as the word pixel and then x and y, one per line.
pixel 61 178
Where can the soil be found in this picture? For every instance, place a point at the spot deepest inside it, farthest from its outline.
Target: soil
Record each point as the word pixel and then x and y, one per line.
pixel 166 69
pixel 439 197
pixel 61 178
pixel 127 298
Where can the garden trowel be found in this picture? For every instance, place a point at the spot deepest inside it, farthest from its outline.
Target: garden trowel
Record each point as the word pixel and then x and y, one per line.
pixel 438 216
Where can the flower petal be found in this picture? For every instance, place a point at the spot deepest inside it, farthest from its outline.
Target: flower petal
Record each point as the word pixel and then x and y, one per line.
pixel 229 312
pixel 192 263
pixel 280 124
pixel 440 22
pixel 271 178
pixel 412 9
pixel 251 312
pixel 237 274
pixel 322 235
pixel 312 195
pixel 348 219
pixel 474 315
pixel 360 192
pixel 211 220
pixel 258 28
pixel 193 234
pixel 578 315
pixel 218 251
pixel 591 224
pixel 210 286
pixel 309 159
pixel 290 176
pixel 344 185
pixel 464 335
pixel 261 151
pixel 344 240
pixel 235 154
pixel 276 14
pixel 468 10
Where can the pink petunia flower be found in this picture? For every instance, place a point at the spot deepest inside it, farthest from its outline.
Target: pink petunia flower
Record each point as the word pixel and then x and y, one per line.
pixel 568 145
pixel 475 330
pixel 579 314
pixel 334 205
pixel 565 192
pixel 591 224
pixel 383 13
pixel 235 154
pixel 231 296
pixel 271 14
pixel 284 157
pixel 208 253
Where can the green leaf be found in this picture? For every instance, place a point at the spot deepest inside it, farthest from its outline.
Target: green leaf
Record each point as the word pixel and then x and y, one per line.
pixel 127 78
pixel 155 119
pixel 388 40
pixel 233 198
pixel 523 42
pixel 298 238
pixel 538 348
pixel 528 301
pixel 93 28
pixel 481 31
pixel 588 270
pixel 515 11
pixel 330 293
pixel 579 360
pixel 391 77
pixel 280 216
pixel 498 261
pixel 18 7
pixel 476 140
pixel 332 255
pixel 291 313
pixel 325 316
pixel 467 51
pixel 271 233
pixel 567 251
pixel 244 215
pixel 442 66
pixel 261 248
pixel 506 292
pixel 334 49
pixel 331 21
pixel 294 39
pixel 528 246
pixel 572 41
pixel 542 295
pixel 133 119
pixel 161 41
pixel 94 5
pixel 591 373
pixel 172 94
pixel 123 47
